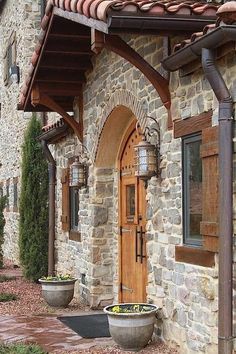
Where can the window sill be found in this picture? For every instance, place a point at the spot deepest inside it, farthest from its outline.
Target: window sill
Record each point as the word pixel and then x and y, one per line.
pixel 74 235
pixel 194 255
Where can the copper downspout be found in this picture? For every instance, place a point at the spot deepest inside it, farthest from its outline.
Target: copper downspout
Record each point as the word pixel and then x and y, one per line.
pixel 52 184
pixel 225 199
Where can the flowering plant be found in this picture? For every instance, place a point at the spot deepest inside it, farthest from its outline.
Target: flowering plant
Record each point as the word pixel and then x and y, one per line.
pixel 59 277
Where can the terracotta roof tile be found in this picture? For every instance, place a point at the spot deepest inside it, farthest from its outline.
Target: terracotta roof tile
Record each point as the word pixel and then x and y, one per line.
pixel 59 123
pixel 100 9
pixel 227 15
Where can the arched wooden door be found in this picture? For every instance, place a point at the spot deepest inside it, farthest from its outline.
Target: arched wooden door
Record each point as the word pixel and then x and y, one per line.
pixel 133 259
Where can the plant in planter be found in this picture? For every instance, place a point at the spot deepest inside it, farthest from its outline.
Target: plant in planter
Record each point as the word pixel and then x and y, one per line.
pixel 58 291
pixel 131 325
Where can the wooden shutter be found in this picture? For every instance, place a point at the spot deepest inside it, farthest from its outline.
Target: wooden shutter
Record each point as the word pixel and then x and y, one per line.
pixel 210 189
pixel 65 217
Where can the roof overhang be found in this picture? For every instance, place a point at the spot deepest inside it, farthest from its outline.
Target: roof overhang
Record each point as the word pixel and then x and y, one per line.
pixel 63 53
pixel 59 63
pixel 214 39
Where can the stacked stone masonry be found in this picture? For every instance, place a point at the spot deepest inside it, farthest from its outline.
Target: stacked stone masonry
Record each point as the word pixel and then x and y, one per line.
pixel 186 294
pixel 23 18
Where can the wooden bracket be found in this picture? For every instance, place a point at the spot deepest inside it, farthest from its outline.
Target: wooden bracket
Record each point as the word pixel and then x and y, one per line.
pixel 114 43
pixel 38 97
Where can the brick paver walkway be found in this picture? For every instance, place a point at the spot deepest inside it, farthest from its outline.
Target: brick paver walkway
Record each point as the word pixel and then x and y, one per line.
pixel 47 331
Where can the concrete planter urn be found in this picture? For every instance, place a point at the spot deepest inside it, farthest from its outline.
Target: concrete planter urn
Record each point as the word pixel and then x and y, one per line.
pixel 58 291
pixel 131 325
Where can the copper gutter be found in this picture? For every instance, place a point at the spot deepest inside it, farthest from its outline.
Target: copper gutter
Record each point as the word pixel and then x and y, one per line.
pixel 52 184
pixel 225 199
pixel 205 47
pixel 144 24
pixel 214 39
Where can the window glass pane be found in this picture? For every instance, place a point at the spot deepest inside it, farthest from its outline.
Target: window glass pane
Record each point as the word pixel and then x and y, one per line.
pixel 192 190
pixel 130 202
pixel 7 194
pixel 15 195
pixel 74 208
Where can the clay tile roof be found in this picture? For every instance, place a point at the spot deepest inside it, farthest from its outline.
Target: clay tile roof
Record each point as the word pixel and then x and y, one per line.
pixel 57 124
pixel 99 9
pixel 196 36
pixel 227 15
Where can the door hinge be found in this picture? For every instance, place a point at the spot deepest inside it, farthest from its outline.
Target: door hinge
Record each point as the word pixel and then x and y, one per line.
pixel 123 287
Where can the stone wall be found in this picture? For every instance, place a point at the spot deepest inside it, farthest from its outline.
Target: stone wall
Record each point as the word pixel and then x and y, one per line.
pixel 186 293
pixel 23 17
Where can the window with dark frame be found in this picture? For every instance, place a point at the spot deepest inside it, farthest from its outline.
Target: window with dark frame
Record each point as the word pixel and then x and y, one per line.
pixel 74 208
pixel 9 58
pixel 192 189
pixel 15 196
pixel 8 195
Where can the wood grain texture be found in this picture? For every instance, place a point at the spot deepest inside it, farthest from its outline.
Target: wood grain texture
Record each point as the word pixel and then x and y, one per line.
pixel 195 256
pixel 192 125
pixel 210 189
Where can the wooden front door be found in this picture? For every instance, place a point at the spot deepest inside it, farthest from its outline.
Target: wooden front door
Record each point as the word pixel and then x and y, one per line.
pixel 133 261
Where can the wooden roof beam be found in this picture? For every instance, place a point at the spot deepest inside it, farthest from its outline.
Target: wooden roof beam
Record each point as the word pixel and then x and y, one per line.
pixel 63 61
pixel 114 43
pixel 60 76
pixel 68 52
pixel 40 98
pixel 55 90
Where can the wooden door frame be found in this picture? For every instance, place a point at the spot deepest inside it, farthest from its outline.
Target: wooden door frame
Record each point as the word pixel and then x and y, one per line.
pixel 124 139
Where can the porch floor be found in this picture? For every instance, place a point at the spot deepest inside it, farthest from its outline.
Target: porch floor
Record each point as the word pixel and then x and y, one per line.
pixel 30 320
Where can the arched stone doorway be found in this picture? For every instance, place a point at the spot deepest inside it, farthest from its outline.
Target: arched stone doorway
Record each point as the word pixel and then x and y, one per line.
pixel 128 253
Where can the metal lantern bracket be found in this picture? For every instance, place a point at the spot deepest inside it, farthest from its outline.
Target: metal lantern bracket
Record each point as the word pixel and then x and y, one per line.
pixel 150 131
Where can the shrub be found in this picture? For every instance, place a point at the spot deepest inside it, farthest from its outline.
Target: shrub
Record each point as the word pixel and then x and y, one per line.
pixel 3 201
pixel 5 297
pixel 19 348
pixel 33 240
pixel 4 278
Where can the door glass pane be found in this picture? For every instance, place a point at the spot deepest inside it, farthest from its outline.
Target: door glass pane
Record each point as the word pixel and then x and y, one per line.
pixel 130 202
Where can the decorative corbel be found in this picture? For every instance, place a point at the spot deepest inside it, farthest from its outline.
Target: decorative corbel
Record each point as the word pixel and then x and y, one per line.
pixel 38 97
pixel 114 43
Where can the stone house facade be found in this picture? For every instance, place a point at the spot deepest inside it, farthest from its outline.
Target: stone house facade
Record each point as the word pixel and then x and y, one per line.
pixel 96 225
pixel 19 28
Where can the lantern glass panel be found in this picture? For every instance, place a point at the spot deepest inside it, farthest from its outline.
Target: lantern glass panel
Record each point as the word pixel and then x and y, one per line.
pixel 77 174
pixel 146 160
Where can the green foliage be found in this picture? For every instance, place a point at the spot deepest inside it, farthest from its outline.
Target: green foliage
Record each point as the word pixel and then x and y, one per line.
pixel 19 348
pixel 33 240
pixel 3 201
pixel 4 278
pixel 59 277
pixel 5 297
pixel 130 308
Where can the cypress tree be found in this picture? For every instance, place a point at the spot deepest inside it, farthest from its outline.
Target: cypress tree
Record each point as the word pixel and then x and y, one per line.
pixel 3 200
pixel 33 240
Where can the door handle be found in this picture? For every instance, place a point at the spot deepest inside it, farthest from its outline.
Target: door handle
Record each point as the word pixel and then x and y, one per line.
pixel 140 242
pixel 136 244
pixel 142 233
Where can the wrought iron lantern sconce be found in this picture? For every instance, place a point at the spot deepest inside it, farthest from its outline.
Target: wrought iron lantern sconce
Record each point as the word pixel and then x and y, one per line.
pixel 147 154
pixel 78 173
